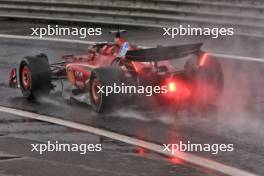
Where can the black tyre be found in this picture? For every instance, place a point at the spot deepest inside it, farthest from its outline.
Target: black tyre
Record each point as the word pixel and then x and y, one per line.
pixel 35 76
pixel 101 77
pixel 208 80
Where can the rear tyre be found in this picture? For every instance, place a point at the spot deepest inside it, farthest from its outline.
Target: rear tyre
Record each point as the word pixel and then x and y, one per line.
pixel 104 77
pixel 208 81
pixel 35 76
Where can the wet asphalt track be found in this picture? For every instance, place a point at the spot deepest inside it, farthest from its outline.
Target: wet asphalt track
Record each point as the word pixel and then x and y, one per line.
pixel 238 119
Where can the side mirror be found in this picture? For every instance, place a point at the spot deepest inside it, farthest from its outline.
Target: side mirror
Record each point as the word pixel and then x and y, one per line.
pixel 13 79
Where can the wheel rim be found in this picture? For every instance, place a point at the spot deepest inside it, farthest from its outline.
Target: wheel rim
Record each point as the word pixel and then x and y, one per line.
pixel 96 96
pixel 26 78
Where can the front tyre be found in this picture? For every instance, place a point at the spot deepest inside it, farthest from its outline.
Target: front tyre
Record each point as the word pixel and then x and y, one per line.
pixel 104 77
pixel 35 76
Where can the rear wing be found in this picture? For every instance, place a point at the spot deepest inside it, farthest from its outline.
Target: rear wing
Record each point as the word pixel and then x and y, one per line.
pixel 163 53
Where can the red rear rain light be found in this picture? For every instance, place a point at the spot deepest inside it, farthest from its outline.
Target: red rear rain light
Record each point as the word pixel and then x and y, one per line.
pixel 172 86
pixel 203 60
pixel 177 89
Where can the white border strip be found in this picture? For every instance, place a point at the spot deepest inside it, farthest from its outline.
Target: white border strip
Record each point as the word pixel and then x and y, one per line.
pixel 196 160
pixel 232 57
pixel 20 37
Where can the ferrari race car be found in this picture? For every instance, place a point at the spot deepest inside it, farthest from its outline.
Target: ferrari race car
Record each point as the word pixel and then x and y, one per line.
pixel 198 83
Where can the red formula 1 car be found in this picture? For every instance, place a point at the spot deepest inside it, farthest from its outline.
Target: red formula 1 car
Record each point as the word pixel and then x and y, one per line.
pixel 199 82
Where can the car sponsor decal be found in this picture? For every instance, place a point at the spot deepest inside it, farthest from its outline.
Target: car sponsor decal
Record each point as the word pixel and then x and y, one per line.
pixel 123 50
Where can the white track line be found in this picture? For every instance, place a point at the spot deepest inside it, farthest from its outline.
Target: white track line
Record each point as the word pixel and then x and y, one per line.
pixel 196 160
pixel 232 57
pixel 21 37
